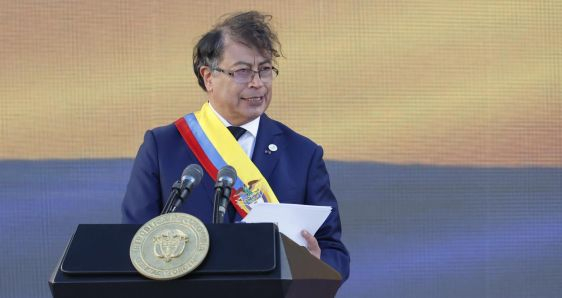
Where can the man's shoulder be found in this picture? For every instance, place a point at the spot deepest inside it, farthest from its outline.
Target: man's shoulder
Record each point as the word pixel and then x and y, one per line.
pixel 163 136
pixel 292 136
pixel 165 131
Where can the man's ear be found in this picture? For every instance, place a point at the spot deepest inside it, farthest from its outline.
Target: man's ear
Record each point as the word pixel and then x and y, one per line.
pixel 207 75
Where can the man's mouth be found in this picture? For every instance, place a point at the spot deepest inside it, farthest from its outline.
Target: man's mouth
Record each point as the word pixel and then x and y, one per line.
pixel 253 99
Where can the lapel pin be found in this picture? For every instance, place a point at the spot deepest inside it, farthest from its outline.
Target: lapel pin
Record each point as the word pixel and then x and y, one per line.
pixel 272 147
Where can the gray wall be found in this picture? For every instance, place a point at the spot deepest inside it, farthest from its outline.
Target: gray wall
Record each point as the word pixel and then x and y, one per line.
pixel 412 231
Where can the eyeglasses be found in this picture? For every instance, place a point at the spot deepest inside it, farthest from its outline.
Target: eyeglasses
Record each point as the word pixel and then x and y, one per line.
pixel 246 75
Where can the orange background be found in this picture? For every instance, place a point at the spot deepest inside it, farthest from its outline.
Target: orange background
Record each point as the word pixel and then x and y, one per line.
pixel 477 83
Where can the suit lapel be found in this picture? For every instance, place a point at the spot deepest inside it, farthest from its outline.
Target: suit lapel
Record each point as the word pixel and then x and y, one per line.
pixel 265 159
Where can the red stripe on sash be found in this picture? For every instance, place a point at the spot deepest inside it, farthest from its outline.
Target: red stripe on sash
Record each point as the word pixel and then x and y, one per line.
pixel 192 143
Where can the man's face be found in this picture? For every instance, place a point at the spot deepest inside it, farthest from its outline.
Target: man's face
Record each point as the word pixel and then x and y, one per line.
pixel 238 103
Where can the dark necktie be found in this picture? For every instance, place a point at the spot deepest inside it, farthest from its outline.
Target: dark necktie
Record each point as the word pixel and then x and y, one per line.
pixel 236 131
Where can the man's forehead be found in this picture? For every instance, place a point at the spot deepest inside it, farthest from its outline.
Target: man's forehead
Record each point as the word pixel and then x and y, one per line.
pixel 235 53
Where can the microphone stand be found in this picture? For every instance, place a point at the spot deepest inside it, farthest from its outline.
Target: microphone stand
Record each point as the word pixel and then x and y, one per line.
pixel 172 198
pixel 216 199
pixel 221 193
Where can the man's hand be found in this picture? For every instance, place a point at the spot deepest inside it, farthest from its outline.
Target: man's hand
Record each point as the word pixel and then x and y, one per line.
pixel 311 243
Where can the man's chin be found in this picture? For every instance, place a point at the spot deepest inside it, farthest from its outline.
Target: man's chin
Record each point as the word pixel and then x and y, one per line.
pixel 252 113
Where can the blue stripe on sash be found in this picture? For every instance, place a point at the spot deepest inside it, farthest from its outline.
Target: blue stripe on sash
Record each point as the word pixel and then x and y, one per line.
pixel 208 147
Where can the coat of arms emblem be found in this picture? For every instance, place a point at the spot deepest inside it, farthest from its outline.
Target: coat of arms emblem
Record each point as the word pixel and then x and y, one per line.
pixel 249 195
pixel 169 244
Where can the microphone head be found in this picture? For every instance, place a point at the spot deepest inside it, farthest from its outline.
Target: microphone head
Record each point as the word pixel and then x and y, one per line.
pixel 193 173
pixel 227 175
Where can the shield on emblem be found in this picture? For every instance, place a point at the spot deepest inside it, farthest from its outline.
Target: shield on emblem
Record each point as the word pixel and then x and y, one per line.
pixel 169 244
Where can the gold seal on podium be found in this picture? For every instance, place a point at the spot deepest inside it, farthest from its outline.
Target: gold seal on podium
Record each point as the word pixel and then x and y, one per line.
pixel 169 246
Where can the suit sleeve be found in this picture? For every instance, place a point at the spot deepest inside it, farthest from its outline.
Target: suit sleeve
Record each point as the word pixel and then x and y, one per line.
pixel 142 200
pixel 329 235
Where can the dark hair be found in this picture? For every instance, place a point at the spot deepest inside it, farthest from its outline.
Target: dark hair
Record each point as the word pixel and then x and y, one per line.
pixel 250 28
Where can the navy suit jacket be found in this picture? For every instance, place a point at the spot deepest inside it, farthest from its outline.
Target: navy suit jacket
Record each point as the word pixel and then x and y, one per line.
pixel 296 172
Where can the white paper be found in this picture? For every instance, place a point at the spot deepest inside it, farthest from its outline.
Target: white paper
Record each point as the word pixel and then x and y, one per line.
pixel 290 218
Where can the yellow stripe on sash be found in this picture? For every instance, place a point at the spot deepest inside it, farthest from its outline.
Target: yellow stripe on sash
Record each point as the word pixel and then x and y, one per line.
pixel 232 152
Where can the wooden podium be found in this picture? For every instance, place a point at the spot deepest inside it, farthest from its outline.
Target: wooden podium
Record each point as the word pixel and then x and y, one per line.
pixel 244 260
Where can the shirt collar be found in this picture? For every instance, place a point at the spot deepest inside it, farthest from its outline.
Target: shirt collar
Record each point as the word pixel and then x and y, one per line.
pixel 251 127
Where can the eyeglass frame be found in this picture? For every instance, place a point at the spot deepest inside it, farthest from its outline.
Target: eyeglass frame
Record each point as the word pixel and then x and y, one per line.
pixel 231 73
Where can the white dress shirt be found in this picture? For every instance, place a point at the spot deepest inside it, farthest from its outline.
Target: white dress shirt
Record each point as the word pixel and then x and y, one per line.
pixel 248 140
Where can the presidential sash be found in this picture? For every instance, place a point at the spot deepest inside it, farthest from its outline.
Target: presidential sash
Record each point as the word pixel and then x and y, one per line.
pixel 215 147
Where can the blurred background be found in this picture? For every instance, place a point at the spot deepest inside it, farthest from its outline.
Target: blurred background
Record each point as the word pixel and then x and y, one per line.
pixel 441 123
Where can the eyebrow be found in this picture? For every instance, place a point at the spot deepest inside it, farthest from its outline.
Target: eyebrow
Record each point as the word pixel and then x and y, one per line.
pixel 250 64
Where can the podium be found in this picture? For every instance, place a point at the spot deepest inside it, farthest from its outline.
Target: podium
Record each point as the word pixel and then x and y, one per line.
pixel 244 260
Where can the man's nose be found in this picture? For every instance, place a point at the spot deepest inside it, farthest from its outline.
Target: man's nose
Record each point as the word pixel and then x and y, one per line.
pixel 256 81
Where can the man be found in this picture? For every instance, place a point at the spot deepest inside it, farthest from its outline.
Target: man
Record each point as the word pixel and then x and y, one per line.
pixel 234 64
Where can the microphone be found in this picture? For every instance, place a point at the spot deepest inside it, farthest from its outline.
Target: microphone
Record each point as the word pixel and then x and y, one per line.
pixel 190 178
pixel 223 188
